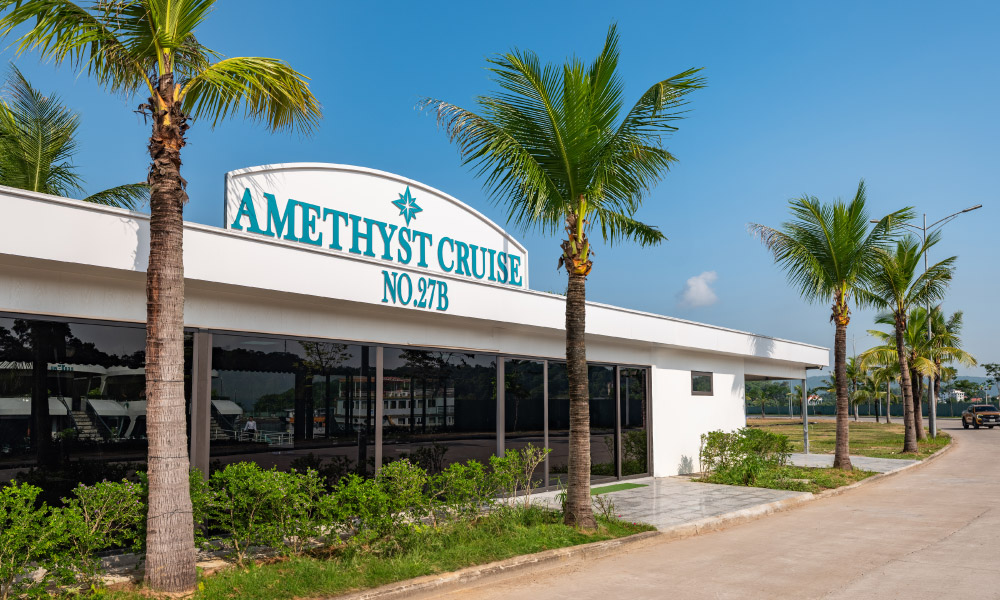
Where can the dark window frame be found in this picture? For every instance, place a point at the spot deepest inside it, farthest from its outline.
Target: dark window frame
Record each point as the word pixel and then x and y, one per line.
pixel 711 383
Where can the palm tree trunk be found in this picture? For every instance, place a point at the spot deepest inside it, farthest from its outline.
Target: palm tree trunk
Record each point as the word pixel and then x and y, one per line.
pixel 170 553
pixel 579 511
pixel 910 435
pixel 842 456
pixel 888 402
pixel 917 382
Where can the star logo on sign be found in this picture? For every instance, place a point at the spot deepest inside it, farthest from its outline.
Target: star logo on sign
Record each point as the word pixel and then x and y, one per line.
pixel 407 206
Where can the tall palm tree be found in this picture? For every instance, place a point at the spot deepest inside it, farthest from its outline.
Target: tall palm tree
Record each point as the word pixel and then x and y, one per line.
pixel 897 287
pixel 828 252
pixel 37 144
pixel 149 47
pixel 556 147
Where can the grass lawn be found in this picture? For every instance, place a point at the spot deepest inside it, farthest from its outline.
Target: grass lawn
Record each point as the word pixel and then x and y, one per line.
pixel 615 488
pixel 802 479
pixel 424 552
pixel 878 440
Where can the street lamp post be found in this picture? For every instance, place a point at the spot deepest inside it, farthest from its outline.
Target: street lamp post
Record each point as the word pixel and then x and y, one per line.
pixel 930 332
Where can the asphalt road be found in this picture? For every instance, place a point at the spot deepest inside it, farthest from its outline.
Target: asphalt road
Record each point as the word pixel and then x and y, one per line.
pixel 931 532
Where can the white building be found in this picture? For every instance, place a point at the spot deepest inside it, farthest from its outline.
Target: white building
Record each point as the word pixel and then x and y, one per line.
pixel 357 316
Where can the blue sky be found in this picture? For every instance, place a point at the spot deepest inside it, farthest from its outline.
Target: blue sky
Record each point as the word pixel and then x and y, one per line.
pixel 802 98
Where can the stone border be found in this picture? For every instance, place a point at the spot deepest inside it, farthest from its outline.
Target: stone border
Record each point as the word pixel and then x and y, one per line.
pixel 528 563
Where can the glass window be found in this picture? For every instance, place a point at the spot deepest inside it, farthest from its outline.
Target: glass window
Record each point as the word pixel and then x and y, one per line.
pixel 524 407
pixel 73 402
pixel 293 404
pixel 701 383
pixel 451 414
pixel 601 386
pixel 558 424
pixel 603 440
pixel 633 411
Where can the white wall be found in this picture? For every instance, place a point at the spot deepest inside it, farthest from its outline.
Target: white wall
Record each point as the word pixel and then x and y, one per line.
pixel 680 417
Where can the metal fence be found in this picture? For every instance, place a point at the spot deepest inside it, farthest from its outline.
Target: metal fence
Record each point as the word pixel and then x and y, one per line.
pixel 945 409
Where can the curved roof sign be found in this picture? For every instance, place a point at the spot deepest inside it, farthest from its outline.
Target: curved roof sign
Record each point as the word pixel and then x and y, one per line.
pixel 391 221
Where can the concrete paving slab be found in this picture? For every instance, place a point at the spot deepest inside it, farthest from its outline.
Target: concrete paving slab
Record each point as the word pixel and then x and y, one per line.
pixel 669 501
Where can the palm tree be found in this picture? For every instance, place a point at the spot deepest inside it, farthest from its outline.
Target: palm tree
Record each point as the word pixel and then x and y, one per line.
pixel 897 287
pixel 870 390
pixel 887 373
pixel 855 371
pixel 924 357
pixel 946 333
pixel 556 147
pixel 829 252
pixel 149 47
pixel 37 144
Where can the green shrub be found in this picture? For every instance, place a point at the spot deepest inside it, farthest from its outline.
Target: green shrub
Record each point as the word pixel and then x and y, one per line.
pixel 103 516
pixel 404 483
pixel 246 498
pixel 30 537
pixel 514 472
pixel 743 456
pixel 362 507
pixel 281 510
pixel 463 490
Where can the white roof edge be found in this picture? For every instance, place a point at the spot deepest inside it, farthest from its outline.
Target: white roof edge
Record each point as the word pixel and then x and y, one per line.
pixel 384 174
pixel 74 202
pixel 299 247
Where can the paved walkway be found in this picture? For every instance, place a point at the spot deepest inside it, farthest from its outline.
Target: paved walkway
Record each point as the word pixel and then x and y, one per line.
pixel 913 536
pixel 668 501
pixel 665 502
pixel 879 465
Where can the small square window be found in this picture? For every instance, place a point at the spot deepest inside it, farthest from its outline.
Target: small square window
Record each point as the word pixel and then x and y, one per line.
pixel 701 383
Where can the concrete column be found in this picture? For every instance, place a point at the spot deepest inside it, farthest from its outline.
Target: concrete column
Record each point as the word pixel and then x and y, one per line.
pixel 805 416
pixel 379 410
pixel 545 414
pixel 201 401
pixel 501 407
pixel 618 422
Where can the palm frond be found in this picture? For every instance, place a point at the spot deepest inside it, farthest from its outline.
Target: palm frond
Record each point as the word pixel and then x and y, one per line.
pixel 63 31
pixel 616 226
pixel 37 140
pixel 267 90
pixel 130 196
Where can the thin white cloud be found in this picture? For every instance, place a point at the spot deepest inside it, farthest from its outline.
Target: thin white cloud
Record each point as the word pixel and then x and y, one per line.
pixel 698 291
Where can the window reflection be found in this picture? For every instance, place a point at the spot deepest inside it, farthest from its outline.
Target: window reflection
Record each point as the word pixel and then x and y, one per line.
pixel 72 401
pixel 633 416
pixel 524 407
pixel 439 407
pixel 603 440
pixel 293 404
